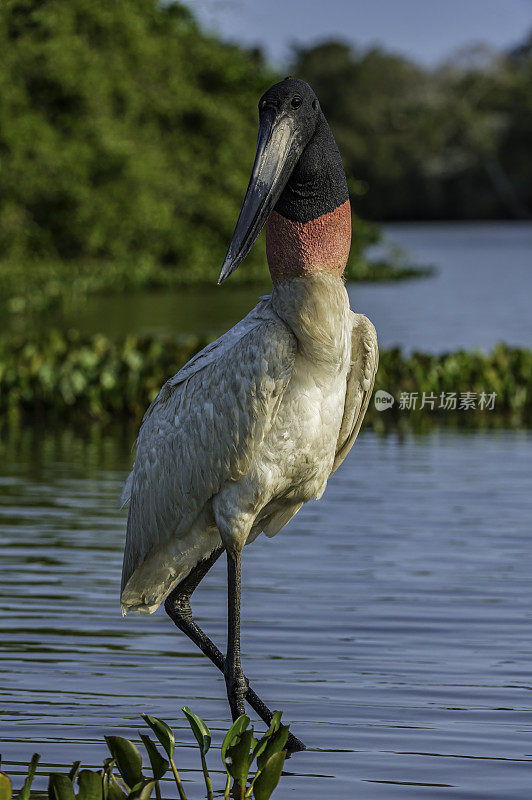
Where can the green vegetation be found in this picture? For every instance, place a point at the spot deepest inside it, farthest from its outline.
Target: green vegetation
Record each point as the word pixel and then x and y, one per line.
pixel 126 133
pixel 449 143
pixel 239 750
pixel 126 136
pixel 84 377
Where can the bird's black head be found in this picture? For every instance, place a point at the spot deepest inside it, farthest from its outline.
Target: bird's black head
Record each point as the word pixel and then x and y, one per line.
pixel 297 169
pixel 296 100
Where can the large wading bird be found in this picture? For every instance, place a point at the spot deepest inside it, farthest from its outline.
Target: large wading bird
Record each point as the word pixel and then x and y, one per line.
pixel 256 423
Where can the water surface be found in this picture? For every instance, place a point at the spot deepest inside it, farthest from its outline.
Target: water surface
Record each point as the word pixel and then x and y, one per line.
pixel 479 296
pixel 390 620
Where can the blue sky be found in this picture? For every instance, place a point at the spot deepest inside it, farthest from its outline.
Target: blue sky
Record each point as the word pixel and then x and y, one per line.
pixel 426 30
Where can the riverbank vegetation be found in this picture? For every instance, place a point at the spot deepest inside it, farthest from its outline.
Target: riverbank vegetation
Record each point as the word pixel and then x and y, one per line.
pixel 451 142
pixel 127 138
pixel 94 378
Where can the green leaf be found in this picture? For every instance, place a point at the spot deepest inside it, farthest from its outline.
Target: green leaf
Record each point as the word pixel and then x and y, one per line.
pixel 163 732
pixel 141 791
pixel 107 776
pixel 114 790
pixel 275 724
pixel 199 729
pixel 24 793
pixel 60 787
pixel 128 759
pixel 238 758
pixel 90 785
pixel 74 770
pixel 159 765
pixel 269 776
pixel 275 744
pixel 236 729
pixel 6 789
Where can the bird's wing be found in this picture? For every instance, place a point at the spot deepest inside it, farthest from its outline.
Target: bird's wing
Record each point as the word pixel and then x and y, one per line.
pixel 203 429
pixel 360 381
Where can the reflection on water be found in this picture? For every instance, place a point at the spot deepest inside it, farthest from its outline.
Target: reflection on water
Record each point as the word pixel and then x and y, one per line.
pixel 391 620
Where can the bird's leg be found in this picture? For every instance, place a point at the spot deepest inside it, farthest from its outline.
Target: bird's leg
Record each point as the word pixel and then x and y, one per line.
pixel 235 680
pixel 177 606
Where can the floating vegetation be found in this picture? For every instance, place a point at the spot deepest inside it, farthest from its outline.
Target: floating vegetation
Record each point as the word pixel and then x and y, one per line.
pixel 239 750
pixel 95 378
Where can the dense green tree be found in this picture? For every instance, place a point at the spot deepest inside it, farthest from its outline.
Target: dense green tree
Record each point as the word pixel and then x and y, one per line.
pixel 418 144
pixel 126 139
pixel 127 135
pixel 125 132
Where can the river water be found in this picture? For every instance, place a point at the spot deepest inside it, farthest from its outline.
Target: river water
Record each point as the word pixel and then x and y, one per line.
pixel 390 620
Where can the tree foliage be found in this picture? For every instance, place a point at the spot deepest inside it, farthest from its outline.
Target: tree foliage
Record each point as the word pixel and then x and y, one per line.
pixel 127 136
pixel 453 142
pixel 125 132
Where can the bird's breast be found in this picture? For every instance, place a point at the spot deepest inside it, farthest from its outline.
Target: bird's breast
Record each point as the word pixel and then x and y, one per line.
pixel 298 452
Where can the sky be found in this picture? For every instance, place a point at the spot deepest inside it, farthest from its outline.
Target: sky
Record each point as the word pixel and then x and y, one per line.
pixel 428 31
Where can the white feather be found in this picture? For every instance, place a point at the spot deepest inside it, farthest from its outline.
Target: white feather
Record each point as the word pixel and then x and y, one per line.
pixel 249 430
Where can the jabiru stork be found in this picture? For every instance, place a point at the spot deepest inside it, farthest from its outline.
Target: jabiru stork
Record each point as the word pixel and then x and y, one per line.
pixel 255 424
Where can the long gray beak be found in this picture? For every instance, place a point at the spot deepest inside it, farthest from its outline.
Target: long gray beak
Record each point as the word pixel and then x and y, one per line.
pixel 278 150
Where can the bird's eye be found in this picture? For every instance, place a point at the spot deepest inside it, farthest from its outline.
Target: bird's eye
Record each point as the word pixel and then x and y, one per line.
pixel 296 101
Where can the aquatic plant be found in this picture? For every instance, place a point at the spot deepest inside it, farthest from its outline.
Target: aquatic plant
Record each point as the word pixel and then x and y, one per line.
pixel 70 375
pixel 239 750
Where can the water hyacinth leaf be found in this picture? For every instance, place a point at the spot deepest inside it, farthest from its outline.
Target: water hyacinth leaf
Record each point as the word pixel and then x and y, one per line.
pixel 238 758
pixel 60 787
pixel 114 790
pixel 142 791
pixel 237 728
pixel 163 732
pixel 159 765
pixel 275 724
pixel 108 777
pixel 275 744
pixel 269 776
pixel 24 793
pixel 90 785
pixel 128 759
pixel 6 789
pixel 199 729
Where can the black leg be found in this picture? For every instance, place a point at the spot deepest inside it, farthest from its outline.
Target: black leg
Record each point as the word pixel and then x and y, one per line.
pixel 177 606
pixel 235 680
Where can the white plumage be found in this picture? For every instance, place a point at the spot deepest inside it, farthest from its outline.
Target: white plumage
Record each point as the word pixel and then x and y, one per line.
pixel 246 432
